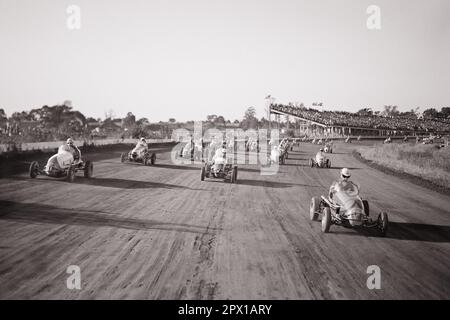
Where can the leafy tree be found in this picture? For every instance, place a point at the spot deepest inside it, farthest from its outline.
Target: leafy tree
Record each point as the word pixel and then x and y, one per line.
pixel 129 121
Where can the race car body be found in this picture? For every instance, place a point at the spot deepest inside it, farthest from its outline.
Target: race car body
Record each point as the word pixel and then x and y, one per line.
pixel 62 165
pixel 347 209
pixel 219 169
pixel 139 154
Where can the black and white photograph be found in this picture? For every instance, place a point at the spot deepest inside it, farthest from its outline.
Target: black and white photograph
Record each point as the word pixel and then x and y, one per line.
pixel 225 150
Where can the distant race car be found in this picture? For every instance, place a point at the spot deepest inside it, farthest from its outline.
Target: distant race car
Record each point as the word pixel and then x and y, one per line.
pixel 64 166
pixel 328 148
pixel 320 162
pixel 140 155
pixel 346 209
pixel 388 140
pixel 348 140
pixel 427 141
pixel 219 170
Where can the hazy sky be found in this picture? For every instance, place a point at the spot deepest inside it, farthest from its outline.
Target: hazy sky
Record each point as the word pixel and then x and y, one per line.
pixel 189 58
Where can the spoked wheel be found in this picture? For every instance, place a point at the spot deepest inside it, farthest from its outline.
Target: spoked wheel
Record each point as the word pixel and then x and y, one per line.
pixel 383 223
pixel 71 174
pixel 314 208
pixel 34 169
pixel 88 169
pixel 326 220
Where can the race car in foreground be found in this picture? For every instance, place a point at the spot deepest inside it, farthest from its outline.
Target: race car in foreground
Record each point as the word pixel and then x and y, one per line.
pixel 219 170
pixel 320 161
pixel 139 155
pixel 346 209
pixel 64 166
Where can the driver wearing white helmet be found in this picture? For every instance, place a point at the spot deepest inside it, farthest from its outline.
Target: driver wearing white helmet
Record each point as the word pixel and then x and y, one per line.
pixel 72 148
pixel 141 145
pixel 342 184
pixel 319 155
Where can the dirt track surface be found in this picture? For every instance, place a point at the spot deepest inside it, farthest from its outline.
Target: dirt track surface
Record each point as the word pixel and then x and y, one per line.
pixel 160 233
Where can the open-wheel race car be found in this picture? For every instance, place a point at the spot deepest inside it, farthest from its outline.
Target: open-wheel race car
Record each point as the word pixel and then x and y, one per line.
pixel 328 148
pixel 346 209
pixel 219 170
pixel 320 161
pixel 62 165
pixel 140 155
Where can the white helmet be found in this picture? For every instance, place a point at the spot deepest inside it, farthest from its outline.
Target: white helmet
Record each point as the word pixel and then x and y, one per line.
pixel 143 140
pixel 345 173
pixel 321 149
pixel 69 141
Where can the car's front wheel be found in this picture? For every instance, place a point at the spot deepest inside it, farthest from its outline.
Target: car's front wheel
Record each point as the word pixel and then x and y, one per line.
pixel 34 169
pixel 383 222
pixel 326 220
pixel 314 208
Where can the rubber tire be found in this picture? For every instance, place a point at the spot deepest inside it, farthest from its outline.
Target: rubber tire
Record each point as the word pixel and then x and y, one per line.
pixel 153 159
pixel 123 157
pixel 88 169
pixel 326 220
pixel 202 174
pixel 314 208
pixel 311 163
pixel 383 223
pixel 235 174
pixel 34 169
pixel 366 207
pixel 70 174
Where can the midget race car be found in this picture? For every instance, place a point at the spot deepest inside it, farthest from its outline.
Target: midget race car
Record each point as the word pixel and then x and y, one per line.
pixel 63 166
pixel 346 209
pixel 328 148
pixel 139 154
pixel 387 140
pixel 219 169
pixel 320 162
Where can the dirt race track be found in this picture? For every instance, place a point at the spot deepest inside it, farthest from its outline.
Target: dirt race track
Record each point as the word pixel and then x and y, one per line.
pixel 160 233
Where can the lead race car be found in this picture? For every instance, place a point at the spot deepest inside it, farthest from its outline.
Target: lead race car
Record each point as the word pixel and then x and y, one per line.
pixel 346 209
pixel 139 154
pixel 63 165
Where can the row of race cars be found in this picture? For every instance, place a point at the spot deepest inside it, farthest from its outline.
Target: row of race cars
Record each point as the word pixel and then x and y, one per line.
pixel 343 206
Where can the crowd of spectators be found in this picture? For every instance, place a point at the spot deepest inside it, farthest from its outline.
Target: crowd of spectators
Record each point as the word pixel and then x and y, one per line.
pixel 348 119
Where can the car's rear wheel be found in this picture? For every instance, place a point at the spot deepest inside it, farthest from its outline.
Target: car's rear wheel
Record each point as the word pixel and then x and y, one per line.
pixel 70 174
pixel 366 207
pixel 329 163
pixel 383 222
pixel 153 159
pixel 202 174
pixel 88 169
pixel 326 220
pixel 232 175
pixel 34 169
pixel 123 157
pixel 311 163
pixel 314 208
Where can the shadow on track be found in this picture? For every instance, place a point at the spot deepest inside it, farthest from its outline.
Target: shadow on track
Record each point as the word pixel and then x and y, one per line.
pixel 35 213
pixel 127 184
pixel 271 184
pixel 407 231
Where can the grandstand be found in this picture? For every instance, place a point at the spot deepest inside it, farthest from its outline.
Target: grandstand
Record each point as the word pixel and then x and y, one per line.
pixel 339 123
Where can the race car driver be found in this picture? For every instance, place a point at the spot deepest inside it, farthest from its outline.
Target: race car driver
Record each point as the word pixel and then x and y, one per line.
pixel 219 157
pixel 342 184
